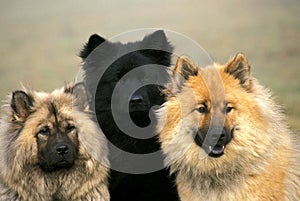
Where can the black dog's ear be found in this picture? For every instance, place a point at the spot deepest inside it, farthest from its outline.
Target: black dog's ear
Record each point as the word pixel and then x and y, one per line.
pixel 157 46
pixel 21 104
pixel 93 42
pixel 158 39
pixel 81 96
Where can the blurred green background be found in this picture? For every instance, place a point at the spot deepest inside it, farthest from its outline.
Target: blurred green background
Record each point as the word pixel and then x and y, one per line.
pixel 40 40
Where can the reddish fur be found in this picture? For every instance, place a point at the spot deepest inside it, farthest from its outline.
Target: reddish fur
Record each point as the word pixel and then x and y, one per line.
pixel 262 162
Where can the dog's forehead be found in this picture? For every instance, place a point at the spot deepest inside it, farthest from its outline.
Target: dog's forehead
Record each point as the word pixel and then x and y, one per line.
pixel 204 83
pixel 208 86
pixel 60 110
pixel 57 106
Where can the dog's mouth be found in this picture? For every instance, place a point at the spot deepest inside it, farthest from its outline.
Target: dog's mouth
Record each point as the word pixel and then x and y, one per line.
pixel 215 145
pixel 216 151
pixel 140 118
pixel 62 164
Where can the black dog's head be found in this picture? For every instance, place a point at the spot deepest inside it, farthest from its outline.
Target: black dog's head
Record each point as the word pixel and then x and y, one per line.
pixel 157 52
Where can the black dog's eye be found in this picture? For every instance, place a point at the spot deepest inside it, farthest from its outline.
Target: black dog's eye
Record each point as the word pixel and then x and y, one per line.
pixel 202 109
pixel 228 109
pixel 70 127
pixel 44 131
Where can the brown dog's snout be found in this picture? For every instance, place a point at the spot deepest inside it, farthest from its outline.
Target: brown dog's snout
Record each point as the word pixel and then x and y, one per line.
pixel 62 149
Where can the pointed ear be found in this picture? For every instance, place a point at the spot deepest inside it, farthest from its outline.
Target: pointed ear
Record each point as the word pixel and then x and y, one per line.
pixel 81 96
pixel 93 42
pixel 239 68
pixel 185 67
pixel 158 39
pixel 21 104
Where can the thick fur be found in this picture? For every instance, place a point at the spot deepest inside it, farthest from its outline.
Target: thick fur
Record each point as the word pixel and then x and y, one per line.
pixel 135 187
pixel 22 147
pixel 262 159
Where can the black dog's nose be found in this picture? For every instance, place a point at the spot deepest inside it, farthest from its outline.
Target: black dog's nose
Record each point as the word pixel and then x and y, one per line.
pixel 62 149
pixel 136 99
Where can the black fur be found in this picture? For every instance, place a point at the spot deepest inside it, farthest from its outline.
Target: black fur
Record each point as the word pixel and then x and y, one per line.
pixel 93 42
pixel 156 186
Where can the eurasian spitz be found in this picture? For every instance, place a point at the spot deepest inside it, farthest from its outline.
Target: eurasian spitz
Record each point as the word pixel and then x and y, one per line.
pixel 225 137
pixel 104 67
pixel 42 154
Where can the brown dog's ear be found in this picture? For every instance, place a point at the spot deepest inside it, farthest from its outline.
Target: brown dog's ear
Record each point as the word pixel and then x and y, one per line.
pixel 185 67
pixel 21 104
pixel 81 96
pixel 239 68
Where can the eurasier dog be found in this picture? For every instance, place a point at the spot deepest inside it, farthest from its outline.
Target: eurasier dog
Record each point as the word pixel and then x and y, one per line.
pixel 224 136
pixel 47 148
pixel 106 64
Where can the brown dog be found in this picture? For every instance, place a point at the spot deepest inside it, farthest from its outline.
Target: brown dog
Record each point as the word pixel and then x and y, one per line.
pixel 46 153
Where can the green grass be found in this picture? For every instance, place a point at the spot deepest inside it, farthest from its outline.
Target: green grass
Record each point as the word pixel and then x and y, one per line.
pixel 40 39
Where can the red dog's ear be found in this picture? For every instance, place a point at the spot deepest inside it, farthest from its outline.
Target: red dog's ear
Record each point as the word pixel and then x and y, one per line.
pixel 185 67
pixel 239 68
pixel 21 104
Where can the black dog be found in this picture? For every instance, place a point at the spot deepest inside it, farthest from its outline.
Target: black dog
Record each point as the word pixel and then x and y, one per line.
pixel 154 49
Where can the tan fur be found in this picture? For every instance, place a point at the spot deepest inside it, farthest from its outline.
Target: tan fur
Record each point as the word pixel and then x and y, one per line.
pixel 261 162
pixel 21 178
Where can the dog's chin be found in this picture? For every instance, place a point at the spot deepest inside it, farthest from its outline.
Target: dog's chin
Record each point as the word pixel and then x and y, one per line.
pixel 140 118
pixel 61 165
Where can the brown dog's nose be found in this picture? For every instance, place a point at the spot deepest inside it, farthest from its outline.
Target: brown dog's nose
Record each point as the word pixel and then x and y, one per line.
pixel 62 149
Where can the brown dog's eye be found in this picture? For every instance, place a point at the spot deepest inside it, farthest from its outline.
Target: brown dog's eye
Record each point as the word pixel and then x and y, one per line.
pixel 44 131
pixel 70 127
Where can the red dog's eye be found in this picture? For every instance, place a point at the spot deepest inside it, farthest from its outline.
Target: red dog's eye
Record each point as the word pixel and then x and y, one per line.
pixel 202 109
pixel 229 109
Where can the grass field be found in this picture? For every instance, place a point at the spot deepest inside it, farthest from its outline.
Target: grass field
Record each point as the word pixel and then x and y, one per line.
pixel 40 40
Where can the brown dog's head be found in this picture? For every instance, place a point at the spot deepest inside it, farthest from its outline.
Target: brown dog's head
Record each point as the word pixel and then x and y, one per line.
pixel 47 132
